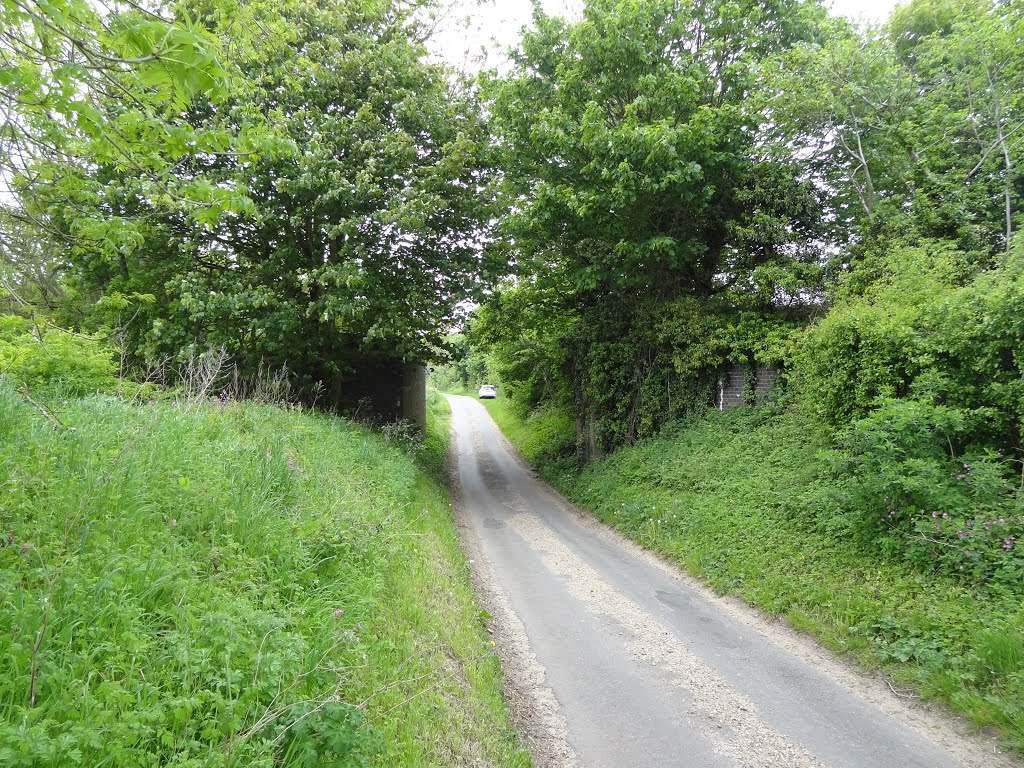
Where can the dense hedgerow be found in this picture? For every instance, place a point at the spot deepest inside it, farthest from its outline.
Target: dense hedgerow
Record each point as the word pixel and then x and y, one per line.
pixel 917 373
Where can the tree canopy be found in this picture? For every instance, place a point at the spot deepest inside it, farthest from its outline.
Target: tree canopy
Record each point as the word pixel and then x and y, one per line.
pixel 639 194
pixel 320 198
pixel 646 195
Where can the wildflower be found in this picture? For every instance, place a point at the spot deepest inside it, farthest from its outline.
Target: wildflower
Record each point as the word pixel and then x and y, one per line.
pixel 945 514
pixel 935 514
pixel 961 534
pixel 960 476
pixel 339 613
pixel 1007 543
pixel 174 522
pixel 969 524
pixel 988 526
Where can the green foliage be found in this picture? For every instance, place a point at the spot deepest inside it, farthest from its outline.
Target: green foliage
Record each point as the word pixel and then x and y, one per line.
pixel 45 356
pixel 29 278
pixel 918 368
pixel 641 211
pixel 900 490
pixel 627 374
pixel 910 125
pixel 546 437
pixel 359 240
pixel 465 369
pixel 88 85
pixel 232 584
pixel 921 326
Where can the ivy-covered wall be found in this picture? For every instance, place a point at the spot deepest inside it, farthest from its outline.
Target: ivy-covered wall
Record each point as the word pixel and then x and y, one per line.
pixel 745 384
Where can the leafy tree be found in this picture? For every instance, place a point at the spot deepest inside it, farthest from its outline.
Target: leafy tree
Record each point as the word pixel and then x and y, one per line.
pixel 634 180
pixel 910 126
pixel 90 84
pixel 359 242
pixel 968 64
pixel 838 104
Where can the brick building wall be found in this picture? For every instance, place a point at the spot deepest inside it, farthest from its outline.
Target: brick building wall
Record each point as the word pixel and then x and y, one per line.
pixel 733 389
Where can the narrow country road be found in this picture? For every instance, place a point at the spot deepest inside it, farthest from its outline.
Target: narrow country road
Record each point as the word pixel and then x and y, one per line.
pixel 616 661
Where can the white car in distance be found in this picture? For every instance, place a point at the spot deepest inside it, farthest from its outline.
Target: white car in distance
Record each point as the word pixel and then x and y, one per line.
pixel 488 392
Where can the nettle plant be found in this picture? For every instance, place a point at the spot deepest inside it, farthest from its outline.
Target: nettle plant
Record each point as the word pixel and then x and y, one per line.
pixel 904 484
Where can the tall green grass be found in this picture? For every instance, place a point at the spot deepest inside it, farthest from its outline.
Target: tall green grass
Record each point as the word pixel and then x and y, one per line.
pixel 546 437
pixel 238 585
pixel 731 497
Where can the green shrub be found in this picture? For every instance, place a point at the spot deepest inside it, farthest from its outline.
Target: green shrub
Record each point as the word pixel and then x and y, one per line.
pixel 900 487
pixel 927 329
pixel 49 357
pixel 875 344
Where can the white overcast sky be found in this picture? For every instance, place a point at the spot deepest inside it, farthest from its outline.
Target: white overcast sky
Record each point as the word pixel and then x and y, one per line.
pixel 478 32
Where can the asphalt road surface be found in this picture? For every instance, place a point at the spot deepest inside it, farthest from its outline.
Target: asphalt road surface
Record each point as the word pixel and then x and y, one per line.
pixel 615 660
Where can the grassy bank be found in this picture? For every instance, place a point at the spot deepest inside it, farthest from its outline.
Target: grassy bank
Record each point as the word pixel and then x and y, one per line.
pixel 728 498
pixel 236 585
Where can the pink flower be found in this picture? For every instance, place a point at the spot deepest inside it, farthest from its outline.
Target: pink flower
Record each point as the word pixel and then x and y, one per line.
pixel 339 613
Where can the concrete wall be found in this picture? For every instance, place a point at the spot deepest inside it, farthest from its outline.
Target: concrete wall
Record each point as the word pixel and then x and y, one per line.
pixel 383 392
pixel 414 395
